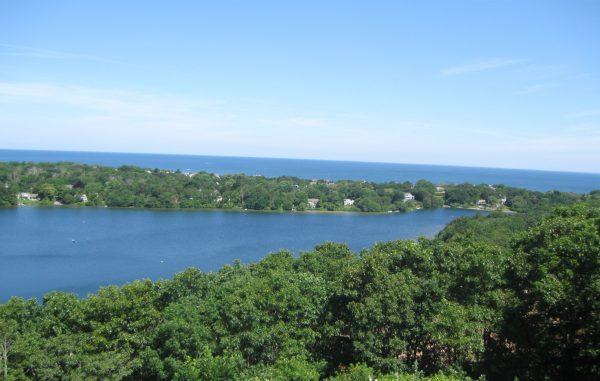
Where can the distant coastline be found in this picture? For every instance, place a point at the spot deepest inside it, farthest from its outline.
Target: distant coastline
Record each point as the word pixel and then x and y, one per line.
pixel 538 180
pixel 57 184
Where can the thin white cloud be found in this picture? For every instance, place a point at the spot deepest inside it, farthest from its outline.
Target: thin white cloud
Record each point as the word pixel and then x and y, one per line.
pixel 294 122
pixel 26 51
pixel 542 73
pixel 109 102
pixel 584 114
pixel 482 66
pixel 89 118
pixel 559 144
pixel 536 88
pixel 11 50
pixel 579 129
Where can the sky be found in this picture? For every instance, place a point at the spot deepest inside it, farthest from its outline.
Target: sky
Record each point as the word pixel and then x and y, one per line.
pixel 509 84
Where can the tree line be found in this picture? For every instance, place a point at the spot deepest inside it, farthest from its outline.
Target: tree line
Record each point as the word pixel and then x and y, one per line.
pixel 522 303
pixel 129 186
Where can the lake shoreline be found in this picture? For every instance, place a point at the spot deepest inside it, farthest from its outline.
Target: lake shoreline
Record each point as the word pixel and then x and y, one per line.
pixel 239 210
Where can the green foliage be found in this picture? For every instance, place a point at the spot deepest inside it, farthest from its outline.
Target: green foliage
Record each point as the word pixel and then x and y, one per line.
pixel 555 275
pixel 292 369
pixel 7 196
pixel 129 186
pixel 358 372
pixel 406 302
pixel 208 368
pixel 494 229
pixel 361 372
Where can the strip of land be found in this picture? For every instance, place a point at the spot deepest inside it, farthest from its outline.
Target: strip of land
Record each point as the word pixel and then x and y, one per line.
pixel 129 186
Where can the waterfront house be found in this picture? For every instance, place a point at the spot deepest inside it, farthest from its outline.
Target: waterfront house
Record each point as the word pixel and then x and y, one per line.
pixel 408 197
pixel 348 202
pixel 481 202
pixel 83 198
pixel 312 202
pixel 27 196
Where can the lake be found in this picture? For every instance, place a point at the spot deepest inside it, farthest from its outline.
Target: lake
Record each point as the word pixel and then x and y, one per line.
pixel 325 169
pixel 80 249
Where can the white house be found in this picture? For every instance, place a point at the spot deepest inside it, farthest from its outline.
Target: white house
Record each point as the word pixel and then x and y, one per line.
pixel 312 202
pixel 348 202
pixel 408 197
pixel 481 202
pixel 27 196
pixel 83 198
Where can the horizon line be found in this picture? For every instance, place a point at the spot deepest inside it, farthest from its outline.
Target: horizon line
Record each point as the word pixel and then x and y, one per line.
pixel 302 159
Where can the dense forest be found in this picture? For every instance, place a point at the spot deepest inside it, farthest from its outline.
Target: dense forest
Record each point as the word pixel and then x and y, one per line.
pixel 499 297
pixel 128 186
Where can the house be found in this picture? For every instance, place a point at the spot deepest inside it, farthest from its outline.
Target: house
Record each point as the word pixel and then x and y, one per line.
pixel 481 202
pixel 408 197
pixel 503 200
pixel 440 189
pixel 83 198
pixel 27 196
pixel 312 202
pixel 348 202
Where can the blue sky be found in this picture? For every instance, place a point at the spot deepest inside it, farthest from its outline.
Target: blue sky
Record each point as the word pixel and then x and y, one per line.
pixel 511 84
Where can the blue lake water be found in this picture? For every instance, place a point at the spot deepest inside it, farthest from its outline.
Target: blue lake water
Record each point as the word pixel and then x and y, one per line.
pixel 324 169
pixel 80 249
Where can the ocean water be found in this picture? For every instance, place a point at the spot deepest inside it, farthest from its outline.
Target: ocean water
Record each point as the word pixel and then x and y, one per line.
pixel 81 249
pixel 325 169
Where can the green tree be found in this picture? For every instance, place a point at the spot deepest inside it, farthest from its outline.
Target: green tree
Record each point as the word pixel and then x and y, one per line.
pixel 7 196
pixel 47 191
pixel 555 275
